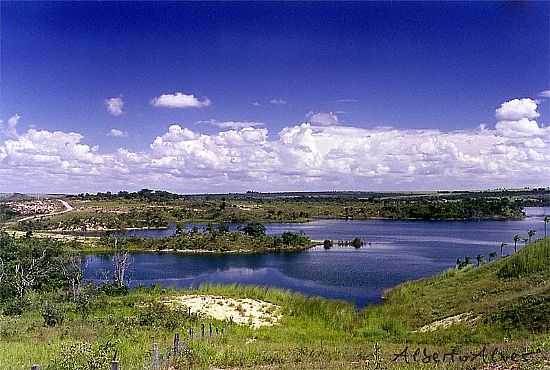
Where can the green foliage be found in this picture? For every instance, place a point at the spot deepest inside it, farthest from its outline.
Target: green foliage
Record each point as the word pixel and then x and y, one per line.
pixel 83 356
pixel 113 290
pixel 531 313
pixel 254 229
pixel 52 314
pixel 31 264
pixel 356 243
pixel 7 214
pixel 160 315
pixel 213 240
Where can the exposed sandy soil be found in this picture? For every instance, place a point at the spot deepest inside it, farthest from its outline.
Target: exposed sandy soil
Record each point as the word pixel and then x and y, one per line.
pixel 243 311
pixel 466 317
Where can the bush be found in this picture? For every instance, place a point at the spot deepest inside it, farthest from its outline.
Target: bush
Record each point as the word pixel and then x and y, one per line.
pixel 85 300
pixel 158 314
pixel 13 307
pixel 52 314
pixel 113 290
pixel 357 243
pixel 83 356
pixel 531 313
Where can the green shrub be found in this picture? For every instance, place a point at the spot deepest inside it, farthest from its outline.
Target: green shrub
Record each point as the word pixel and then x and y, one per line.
pixel 160 315
pixel 531 313
pixel 13 307
pixel 52 314
pixel 113 290
pixel 83 356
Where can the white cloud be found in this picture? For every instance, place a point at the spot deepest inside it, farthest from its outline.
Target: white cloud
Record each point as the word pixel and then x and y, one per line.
pixel 346 100
pixel 233 124
pixel 180 100
pixel 115 106
pixel 545 94
pixel 10 129
pixel 517 109
pixel 322 119
pixel 117 133
pixel 516 119
pixel 299 157
pixel 278 101
pixel 256 103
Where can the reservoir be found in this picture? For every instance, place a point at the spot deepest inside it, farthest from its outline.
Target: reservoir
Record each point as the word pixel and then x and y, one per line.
pixel 395 251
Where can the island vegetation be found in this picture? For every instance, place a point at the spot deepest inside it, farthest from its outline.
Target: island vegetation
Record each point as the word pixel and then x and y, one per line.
pixel 251 238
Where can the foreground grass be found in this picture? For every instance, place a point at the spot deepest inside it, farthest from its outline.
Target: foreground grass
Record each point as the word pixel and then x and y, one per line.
pixel 512 312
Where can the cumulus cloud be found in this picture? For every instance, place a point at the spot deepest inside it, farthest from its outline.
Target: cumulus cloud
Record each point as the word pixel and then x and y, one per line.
pixel 278 101
pixel 516 152
pixel 115 106
pixel 233 124
pixel 517 119
pixel 180 100
pixel 117 133
pixel 322 119
pixel 517 109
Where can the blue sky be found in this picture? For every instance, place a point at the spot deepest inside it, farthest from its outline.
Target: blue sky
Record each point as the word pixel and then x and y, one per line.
pixel 412 66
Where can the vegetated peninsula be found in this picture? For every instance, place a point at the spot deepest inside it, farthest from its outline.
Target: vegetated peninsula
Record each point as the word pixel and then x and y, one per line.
pixel 155 209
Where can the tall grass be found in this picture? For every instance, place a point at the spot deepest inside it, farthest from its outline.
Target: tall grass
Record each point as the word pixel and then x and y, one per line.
pixel 532 259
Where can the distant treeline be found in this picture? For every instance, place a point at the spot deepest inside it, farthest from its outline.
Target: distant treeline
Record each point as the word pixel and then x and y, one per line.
pixel 530 197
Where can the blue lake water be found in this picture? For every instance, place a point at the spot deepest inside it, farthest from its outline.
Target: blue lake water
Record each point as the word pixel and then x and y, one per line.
pixel 398 251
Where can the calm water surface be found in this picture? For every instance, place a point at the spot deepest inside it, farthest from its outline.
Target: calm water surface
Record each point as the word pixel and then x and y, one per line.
pixel 399 251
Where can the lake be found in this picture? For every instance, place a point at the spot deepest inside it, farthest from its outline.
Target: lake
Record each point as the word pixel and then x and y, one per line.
pixel 398 251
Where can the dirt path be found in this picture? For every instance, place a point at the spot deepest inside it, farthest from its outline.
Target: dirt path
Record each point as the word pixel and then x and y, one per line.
pixel 67 206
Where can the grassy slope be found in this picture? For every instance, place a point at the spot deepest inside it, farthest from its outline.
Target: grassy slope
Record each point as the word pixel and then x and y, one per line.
pixel 314 333
pixel 520 283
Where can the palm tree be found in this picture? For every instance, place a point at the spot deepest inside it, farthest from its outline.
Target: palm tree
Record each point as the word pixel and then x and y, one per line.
pixel 546 220
pixel 530 234
pixel 502 245
pixel 479 259
pixel 492 256
pixel 517 238
pixel 467 260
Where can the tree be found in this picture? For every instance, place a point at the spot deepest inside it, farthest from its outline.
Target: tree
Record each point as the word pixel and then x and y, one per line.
pixel 546 221
pixel 517 238
pixel 327 244
pixel 223 228
pixel 121 262
pixel 530 235
pixel 72 270
pixel 479 259
pixel 492 256
pixel 180 229
pixel 27 272
pixel 357 243
pixel 467 260
pixel 254 229
pixel 502 245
